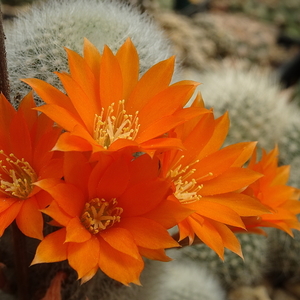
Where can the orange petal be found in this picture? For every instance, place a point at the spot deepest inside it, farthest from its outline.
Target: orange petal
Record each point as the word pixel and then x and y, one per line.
pixel 111 184
pixel 167 123
pixel 231 180
pixel 242 204
pixel 211 164
pixel 85 104
pixel 77 169
pixel 93 59
pixel 121 240
pixel 25 108
pixel 218 137
pixel 21 145
pixel 209 235
pixel 179 213
pixel 55 212
pixel 83 257
pixel 30 220
pixel 155 254
pixel 76 232
pixel 9 215
pixel 111 81
pixel 216 211
pixel 69 197
pixel 155 80
pixel 153 193
pixel 165 103
pixel 51 95
pixel 147 233
pixel 119 266
pixel 230 241
pixel 52 248
pixel 128 59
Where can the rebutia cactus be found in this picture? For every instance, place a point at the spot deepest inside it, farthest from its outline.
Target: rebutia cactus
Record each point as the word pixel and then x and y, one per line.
pixel 289 145
pixel 35 41
pixel 234 271
pixel 177 280
pixel 283 252
pixel 257 111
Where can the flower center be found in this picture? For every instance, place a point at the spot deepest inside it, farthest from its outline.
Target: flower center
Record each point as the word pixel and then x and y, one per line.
pixel 100 214
pixel 16 176
pixel 118 125
pixel 187 187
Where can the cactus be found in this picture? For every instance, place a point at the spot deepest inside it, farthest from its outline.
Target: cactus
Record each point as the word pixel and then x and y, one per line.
pixel 289 145
pixel 234 271
pixel 257 109
pixel 283 253
pixel 177 280
pixel 36 39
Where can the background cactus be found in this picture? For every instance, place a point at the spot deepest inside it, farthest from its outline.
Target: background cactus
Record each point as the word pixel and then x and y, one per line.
pixel 179 279
pixel 36 39
pixel 258 109
pixel 283 251
pixel 234 271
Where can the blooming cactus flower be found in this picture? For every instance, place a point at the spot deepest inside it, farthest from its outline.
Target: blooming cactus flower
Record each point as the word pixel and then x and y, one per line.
pixel 25 141
pixel 110 214
pixel 107 106
pixel 272 191
pixel 207 180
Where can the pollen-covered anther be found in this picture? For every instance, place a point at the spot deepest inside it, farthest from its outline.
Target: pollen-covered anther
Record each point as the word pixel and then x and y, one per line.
pixel 16 176
pixel 100 214
pixel 186 186
pixel 115 125
pixel 187 191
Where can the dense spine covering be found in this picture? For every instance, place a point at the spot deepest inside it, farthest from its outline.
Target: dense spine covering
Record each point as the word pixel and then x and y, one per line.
pixel 36 40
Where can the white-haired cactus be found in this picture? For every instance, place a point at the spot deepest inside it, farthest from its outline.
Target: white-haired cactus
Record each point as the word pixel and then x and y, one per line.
pixel 256 108
pixel 35 41
pixel 177 280
pixel 234 271
pixel 289 145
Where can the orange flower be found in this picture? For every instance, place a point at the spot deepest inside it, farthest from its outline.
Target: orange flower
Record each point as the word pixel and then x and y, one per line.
pixel 272 191
pixel 207 180
pixel 26 139
pixel 111 213
pixel 108 107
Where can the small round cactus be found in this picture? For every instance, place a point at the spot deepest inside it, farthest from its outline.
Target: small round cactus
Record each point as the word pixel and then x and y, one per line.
pixel 35 41
pixel 177 280
pixel 234 271
pixel 289 145
pixel 256 108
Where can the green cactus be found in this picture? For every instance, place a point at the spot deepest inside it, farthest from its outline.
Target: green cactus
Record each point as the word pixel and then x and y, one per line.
pixel 35 41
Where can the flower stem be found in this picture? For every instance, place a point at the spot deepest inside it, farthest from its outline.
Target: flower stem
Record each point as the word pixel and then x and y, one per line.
pixel 4 85
pixel 21 265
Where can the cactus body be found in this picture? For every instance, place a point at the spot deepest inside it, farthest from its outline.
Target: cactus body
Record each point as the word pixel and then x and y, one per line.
pixel 36 39
pixel 234 271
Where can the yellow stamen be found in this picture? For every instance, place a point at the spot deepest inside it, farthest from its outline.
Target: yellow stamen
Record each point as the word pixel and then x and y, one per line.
pixel 100 214
pixel 187 187
pixel 16 176
pixel 115 126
